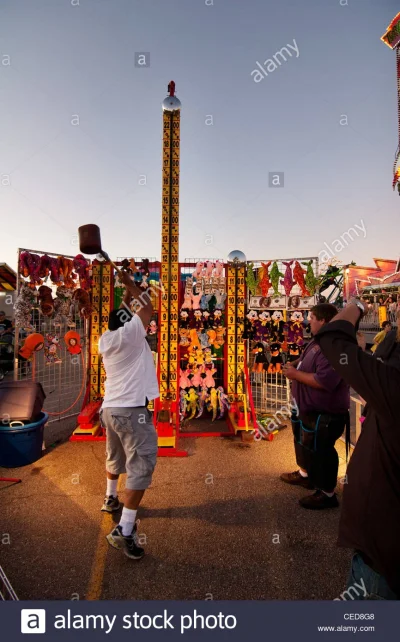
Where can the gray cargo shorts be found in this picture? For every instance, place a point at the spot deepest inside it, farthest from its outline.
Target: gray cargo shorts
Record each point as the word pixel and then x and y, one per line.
pixel 131 444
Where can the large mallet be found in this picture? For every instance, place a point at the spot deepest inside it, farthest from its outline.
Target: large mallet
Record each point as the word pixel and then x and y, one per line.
pixel 90 243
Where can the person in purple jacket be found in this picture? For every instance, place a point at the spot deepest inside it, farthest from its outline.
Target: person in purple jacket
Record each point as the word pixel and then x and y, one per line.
pixel 323 400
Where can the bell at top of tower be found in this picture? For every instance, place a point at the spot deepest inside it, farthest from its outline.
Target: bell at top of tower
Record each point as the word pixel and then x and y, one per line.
pixel 171 102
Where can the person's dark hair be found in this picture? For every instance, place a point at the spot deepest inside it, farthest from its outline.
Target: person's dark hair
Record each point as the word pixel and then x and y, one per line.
pixel 324 311
pixel 118 317
pixel 385 323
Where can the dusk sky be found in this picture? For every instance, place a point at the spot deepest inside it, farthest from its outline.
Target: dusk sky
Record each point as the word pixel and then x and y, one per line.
pixel 81 126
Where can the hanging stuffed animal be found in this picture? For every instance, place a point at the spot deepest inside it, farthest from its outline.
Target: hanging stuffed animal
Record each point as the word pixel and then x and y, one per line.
pixel 219 337
pixel 29 265
pixel 183 378
pixel 219 266
pixel 277 326
pixel 295 328
pixel 207 356
pixel 54 267
pixel 82 297
pixel 203 338
pixel 223 402
pixel 220 299
pixel 274 276
pixel 203 401
pixel 217 319
pixel 187 301
pixel 33 343
pixel 51 350
pixel 263 326
pixel 275 365
pixel 311 280
pixel 44 267
pixel 192 402
pixel 67 274
pixel 183 319
pixel 198 271
pixel 82 267
pixel 73 342
pixel 62 305
pixel 250 279
pixel 46 301
pixel 212 405
pixel 206 319
pixel 184 337
pixel 182 404
pixel 210 372
pixel 209 269
pixel 198 320
pixel 260 358
pixel 196 299
pixel 298 274
pixel 250 322
pixel 264 282
pixel 294 352
pixel 288 281
pixel 23 307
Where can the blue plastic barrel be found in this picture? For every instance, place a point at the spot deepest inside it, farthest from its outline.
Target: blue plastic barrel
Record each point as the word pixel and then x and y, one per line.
pixel 22 445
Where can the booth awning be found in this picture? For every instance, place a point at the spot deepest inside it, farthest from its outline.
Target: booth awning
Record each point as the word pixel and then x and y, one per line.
pixel 8 278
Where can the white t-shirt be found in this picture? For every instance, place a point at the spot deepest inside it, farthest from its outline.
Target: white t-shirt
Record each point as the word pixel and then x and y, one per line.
pixel 129 365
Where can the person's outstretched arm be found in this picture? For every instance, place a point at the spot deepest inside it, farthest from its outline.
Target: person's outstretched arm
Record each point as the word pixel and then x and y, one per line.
pixel 376 382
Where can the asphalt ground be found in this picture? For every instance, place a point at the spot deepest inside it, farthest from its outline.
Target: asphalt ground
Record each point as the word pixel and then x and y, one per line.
pixel 217 524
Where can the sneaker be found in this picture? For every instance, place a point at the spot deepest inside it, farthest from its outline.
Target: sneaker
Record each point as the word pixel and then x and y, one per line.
pixel 111 504
pixel 319 501
pixel 295 479
pixel 129 544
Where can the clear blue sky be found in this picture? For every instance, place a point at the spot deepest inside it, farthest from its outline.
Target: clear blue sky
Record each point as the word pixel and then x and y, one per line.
pixel 70 60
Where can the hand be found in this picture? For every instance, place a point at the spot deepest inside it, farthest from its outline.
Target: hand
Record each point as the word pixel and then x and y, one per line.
pixel 361 340
pixel 289 371
pixel 364 304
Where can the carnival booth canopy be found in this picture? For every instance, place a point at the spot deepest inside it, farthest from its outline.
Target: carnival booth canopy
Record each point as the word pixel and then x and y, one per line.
pixel 8 278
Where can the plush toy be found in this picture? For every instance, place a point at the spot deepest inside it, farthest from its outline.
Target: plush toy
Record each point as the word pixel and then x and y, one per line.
pixel 250 279
pixel 23 307
pixel 183 319
pixel 220 337
pixel 73 342
pixel 223 401
pixel 54 268
pixel 212 335
pixel 196 300
pixel 44 267
pixel 209 269
pixel 217 319
pixel 33 343
pixel 275 365
pixel 82 297
pixel 264 282
pixel 29 265
pixel 219 266
pixel 203 338
pixel 184 337
pixel 311 280
pixel 263 326
pixel 204 302
pixel 194 339
pixel 25 264
pixel 46 301
pixel 220 300
pixel 206 319
pixel 192 402
pixel 145 269
pixel 277 326
pixel 199 270
pixel 183 404
pixel 210 372
pixel 82 267
pixel 198 319
pixel 250 325
pixel 203 401
pixel 207 356
pixel 67 275
pixel 184 382
pixel 62 304
pixel 51 350
pixel 274 276
pixel 212 405
pixel 294 352
pixel 298 274
pixel 187 301
pixel 260 358
pixel 288 281
pixel 295 328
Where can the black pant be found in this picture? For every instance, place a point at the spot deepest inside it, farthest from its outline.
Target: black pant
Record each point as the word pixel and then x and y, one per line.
pixel 315 436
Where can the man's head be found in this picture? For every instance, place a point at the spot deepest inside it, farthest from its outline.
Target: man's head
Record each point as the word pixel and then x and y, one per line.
pixel 386 326
pixel 320 315
pixel 118 317
pixel 2 315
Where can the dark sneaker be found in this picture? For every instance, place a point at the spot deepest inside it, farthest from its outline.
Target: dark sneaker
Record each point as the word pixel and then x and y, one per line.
pixel 111 504
pixel 295 479
pixel 129 544
pixel 319 501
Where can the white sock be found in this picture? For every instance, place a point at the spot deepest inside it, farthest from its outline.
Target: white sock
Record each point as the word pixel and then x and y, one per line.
pixel 328 494
pixel 127 522
pixel 302 473
pixel 112 487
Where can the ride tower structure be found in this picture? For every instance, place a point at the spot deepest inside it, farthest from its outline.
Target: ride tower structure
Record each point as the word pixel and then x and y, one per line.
pixel 391 38
pixel 167 407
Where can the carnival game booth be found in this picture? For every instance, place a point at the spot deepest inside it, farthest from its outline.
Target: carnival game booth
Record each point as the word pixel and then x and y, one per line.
pixel 280 293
